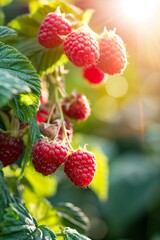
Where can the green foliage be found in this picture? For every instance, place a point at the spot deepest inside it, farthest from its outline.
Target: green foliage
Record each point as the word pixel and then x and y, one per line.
pixel 134 190
pixel 4 194
pixel 72 234
pixel 7 33
pixel 71 214
pixel 10 86
pixel 34 130
pixel 19 67
pixel 19 224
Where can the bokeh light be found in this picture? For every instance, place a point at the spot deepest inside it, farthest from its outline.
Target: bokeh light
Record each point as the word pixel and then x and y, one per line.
pixel 117 86
pixel 139 11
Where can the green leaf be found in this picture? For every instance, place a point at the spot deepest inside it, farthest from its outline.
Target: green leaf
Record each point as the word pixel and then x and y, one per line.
pixel 25 25
pixel 34 130
pixel 17 223
pixel 72 234
pixel 5 198
pixel 10 86
pixel 5 2
pixel 71 214
pixel 7 33
pixel 20 67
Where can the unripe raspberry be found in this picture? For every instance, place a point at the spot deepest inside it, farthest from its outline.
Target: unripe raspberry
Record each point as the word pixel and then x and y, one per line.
pixel 80 167
pixel 76 106
pixel 11 149
pixel 47 157
pixel 81 48
pixel 93 75
pixel 52 28
pixel 113 56
pixel 54 129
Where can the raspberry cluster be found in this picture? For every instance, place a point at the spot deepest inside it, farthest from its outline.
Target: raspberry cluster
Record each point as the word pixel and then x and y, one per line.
pixel 98 56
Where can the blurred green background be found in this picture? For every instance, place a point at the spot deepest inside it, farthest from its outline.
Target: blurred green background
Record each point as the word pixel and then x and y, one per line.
pixel 123 130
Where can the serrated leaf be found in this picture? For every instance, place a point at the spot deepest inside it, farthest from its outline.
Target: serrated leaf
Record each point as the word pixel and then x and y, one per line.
pixel 5 2
pixel 5 198
pixel 71 214
pixel 17 223
pixel 20 67
pixel 10 86
pixel 72 234
pixel 7 33
pixel 34 130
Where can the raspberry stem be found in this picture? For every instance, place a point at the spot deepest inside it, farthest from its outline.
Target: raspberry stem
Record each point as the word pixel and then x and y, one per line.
pixel 50 115
pixel 62 118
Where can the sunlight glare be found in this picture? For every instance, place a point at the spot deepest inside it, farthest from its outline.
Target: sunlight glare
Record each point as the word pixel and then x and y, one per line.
pixel 139 10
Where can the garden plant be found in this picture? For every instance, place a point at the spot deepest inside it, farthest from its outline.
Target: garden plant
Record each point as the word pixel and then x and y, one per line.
pixel 38 115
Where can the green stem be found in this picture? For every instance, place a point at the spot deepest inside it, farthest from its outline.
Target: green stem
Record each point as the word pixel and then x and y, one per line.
pixel 51 113
pixel 62 118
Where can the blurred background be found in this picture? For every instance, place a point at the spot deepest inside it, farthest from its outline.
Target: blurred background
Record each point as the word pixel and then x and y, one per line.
pixel 124 127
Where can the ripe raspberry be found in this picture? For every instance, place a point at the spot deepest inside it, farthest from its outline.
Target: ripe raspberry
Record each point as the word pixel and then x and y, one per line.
pixel 113 56
pixel 50 130
pixel 48 157
pixel 52 28
pixel 11 149
pixel 81 48
pixel 93 75
pixel 42 116
pixel 80 167
pixel 76 106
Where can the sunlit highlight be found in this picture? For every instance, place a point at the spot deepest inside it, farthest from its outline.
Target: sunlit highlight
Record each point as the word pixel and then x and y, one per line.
pixel 139 11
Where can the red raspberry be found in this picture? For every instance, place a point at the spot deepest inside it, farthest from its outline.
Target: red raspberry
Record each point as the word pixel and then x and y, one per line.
pixel 81 48
pixel 80 167
pixel 93 75
pixel 76 106
pixel 52 28
pixel 42 116
pixel 48 157
pixel 50 130
pixel 113 56
pixel 11 149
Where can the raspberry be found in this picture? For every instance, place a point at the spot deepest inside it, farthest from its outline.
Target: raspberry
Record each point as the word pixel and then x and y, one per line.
pixel 81 48
pixel 42 116
pixel 11 149
pixel 52 28
pixel 113 56
pixel 80 167
pixel 48 157
pixel 93 75
pixel 76 106
pixel 50 130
